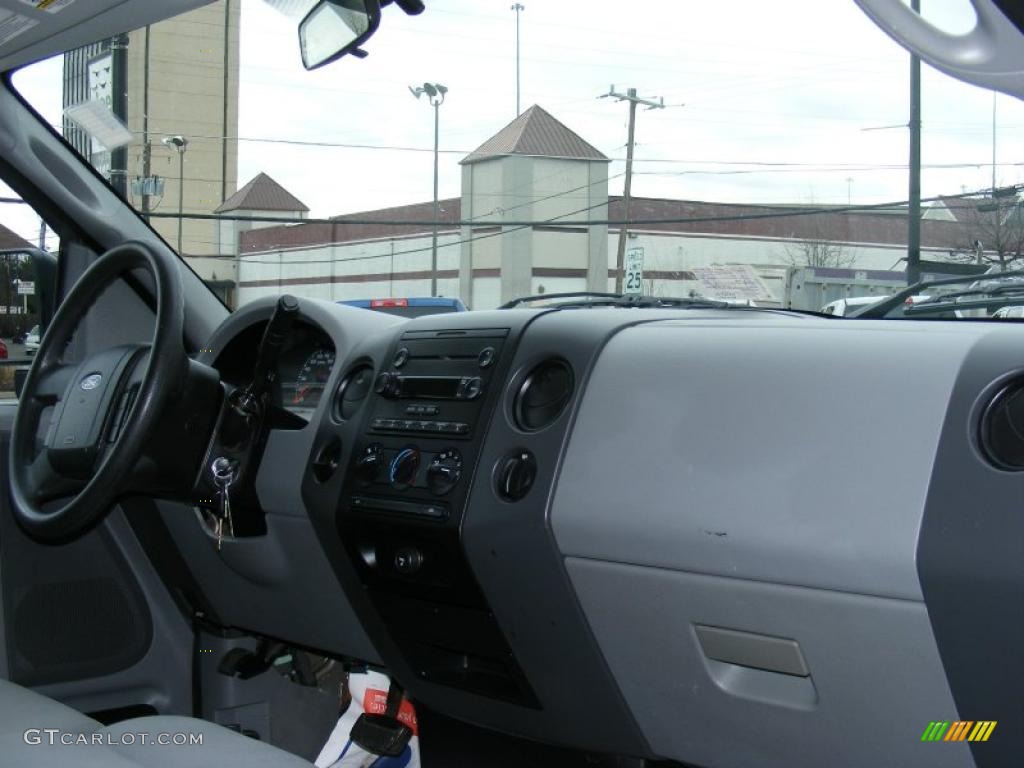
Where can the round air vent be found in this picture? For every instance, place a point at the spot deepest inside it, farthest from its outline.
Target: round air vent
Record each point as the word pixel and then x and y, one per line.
pixel 354 388
pixel 1002 428
pixel 544 393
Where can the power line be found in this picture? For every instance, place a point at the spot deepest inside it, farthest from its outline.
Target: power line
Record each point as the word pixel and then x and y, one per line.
pixel 662 160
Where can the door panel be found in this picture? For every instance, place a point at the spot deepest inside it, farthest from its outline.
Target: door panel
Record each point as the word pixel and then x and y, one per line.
pixel 89 622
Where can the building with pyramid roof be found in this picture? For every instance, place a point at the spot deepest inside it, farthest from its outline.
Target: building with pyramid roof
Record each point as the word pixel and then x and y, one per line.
pixel 534 169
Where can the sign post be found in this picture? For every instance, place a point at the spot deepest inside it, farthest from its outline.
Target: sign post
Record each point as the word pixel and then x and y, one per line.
pixel 633 280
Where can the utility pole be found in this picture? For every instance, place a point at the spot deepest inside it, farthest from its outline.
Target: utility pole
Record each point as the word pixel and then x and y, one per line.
pixel 633 99
pixel 147 148
pixel 518 8
pixel 914 211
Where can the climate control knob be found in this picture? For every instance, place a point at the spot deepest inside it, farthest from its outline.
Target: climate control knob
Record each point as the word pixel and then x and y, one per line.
pixel 369 465
pixel 444 471
pixel 403 469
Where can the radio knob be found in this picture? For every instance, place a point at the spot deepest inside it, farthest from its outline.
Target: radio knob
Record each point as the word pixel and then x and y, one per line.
pixel 444 471
pixel 404 466
pixel 368 465
pixel 387 384
pixel 471 387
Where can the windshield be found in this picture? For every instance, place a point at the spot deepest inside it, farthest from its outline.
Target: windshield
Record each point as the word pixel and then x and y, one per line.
pixel 729 152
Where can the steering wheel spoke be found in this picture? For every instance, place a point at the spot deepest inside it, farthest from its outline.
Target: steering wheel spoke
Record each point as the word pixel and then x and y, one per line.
pixel 47 484
pixel 51 383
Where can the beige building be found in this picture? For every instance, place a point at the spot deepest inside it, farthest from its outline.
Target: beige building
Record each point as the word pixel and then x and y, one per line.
pixel 175 78
pixel 534 169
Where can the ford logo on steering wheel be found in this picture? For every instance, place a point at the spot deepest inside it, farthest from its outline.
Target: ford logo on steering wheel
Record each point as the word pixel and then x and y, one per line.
pixel 91 381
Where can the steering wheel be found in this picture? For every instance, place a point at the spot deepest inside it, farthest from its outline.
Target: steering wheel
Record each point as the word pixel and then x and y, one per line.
pixel 104 409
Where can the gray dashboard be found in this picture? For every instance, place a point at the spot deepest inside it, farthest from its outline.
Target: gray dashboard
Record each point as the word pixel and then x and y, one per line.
pixel 717 543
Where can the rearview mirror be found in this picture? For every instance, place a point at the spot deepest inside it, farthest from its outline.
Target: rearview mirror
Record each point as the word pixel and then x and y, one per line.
pixel 334 28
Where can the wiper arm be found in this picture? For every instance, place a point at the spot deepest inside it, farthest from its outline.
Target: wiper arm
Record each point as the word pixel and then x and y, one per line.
pixel 999 290
pixel 686 302
pixel 548 296
pixel 885 306
pixel 937 307
pixel 598 299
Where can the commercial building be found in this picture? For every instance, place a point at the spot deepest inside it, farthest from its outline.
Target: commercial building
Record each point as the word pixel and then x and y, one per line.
pixel 175 78
pixel 529 221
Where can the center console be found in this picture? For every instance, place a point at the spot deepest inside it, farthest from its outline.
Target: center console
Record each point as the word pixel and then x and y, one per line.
pixel 403 500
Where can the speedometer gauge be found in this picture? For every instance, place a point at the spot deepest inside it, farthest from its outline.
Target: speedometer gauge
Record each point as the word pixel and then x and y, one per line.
pixel 311 379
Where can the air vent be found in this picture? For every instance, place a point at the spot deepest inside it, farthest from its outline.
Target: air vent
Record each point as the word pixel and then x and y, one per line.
pixel 1002 428
pixel 545 392
pixel 352 391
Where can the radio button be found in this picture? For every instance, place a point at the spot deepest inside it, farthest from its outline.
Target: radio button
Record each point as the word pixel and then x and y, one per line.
pixel 401 357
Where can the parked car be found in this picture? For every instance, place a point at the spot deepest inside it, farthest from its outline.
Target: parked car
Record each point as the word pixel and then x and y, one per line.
pixel 3 350
pixel 414 307
pixel 32 341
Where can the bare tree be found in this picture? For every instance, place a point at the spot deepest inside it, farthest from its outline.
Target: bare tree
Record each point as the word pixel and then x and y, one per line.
pixel 816 251
pixel 991 231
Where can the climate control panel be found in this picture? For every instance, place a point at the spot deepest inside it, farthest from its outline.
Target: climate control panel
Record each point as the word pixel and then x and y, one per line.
pixel 409 467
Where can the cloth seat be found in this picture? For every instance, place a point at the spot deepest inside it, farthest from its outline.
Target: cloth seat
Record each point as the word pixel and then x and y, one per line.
pixel 128 744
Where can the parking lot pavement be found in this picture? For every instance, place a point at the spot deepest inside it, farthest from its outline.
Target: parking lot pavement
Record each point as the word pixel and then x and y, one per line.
pixel 16 351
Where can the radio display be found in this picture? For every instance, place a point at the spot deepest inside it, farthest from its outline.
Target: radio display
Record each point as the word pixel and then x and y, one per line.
pixel 430 387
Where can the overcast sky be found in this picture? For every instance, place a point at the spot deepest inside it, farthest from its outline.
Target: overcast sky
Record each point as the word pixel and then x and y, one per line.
pixel 765 102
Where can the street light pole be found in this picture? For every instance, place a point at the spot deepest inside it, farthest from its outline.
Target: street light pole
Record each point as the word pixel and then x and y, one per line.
pixel 518 8
pixel 435 94
pixel 179 144
pixel 914 209
pixel 433 240
pixel 993 143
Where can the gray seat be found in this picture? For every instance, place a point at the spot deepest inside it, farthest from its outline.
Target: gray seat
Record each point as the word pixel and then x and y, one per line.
pixel 25 718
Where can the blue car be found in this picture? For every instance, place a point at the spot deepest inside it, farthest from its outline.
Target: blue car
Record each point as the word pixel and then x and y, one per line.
pixel 416 307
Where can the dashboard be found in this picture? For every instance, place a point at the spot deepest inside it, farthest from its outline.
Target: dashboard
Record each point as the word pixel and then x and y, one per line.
pixel 619 530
